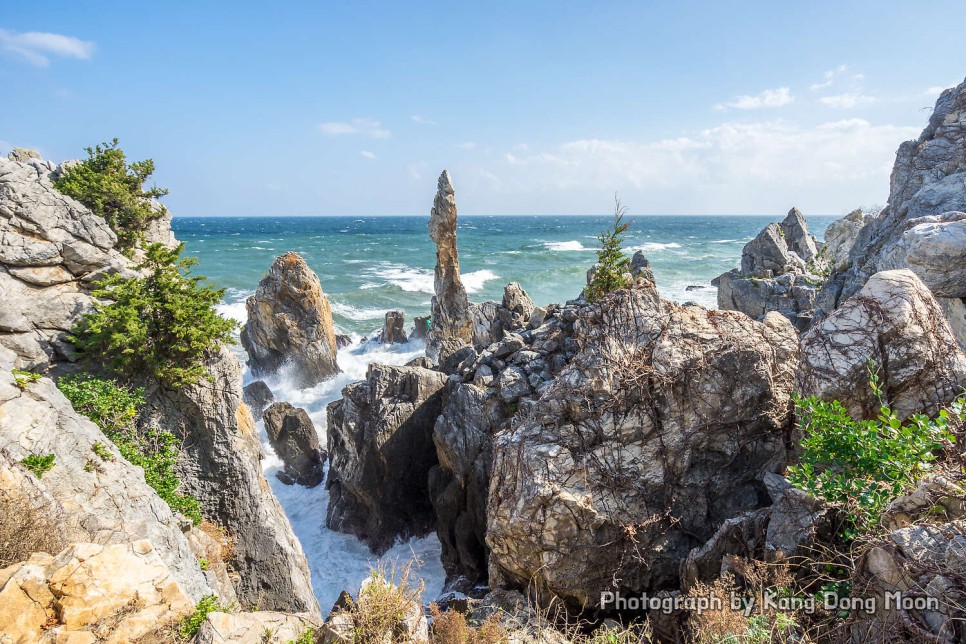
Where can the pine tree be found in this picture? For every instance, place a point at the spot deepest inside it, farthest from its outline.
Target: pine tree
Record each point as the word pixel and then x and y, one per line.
pixel 612 266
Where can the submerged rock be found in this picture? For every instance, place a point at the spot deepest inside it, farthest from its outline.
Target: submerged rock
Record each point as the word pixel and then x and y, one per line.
pixel 394 330
pixel 290 324
pixel 293 437
pixel 380 441
pixel 452 324
pixel 895 322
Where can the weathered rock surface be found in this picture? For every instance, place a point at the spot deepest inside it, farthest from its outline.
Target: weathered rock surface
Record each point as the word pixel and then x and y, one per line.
pixel 290 324
pixel 420 328
pixel 641 267
pixel 394 329
pixel 51 248
pixel 90 593
pixel 452 324
pixel 251 628
pixel 258 396
pixel 380 443
pixel 840 236
pixel 920 228
pixel 221 467
pixel 641 448
pixel 296 442
pixel 108 503
pixel 895 322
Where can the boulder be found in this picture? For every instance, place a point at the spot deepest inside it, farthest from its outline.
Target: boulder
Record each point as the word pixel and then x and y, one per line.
pixel 895 322
pixel 23 155
pixel 253 627
pixel 258 397
pixel 797 238
pixel 641 448
pixel 342 341
pixel 420 328
pixel 767 254
pixel 452 325
pixel 641 267
pixel 90 593
pixel 516 308
pixel 394 330
pixel 290 324
pixel 840 236
pixel 294 439
pixel 380 443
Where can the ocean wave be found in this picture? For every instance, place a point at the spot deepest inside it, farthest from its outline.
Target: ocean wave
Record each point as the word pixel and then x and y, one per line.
pixel 725 241
pixel 356 312
pixel 473 282
pixel 233 311
pixel 565 246
pixel 651 247
pixel 407 278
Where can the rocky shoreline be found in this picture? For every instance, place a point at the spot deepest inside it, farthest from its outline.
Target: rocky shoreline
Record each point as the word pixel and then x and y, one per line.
pixel 631 445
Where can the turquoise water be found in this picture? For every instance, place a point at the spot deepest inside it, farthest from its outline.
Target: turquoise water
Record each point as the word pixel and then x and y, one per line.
pixel 371 265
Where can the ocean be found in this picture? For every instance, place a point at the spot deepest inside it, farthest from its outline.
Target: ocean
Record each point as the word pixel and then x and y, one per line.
pixel 371 265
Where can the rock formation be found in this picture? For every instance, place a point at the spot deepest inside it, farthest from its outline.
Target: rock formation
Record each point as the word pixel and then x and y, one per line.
pixel 641 448
pixel 420 328
pixel 641 267
pixel 394 330
pixel 840 236
pixel 258 396
pixel 452 325
pixel 896 323
pixel 290 324
pixel 258 627
pixel 777 273
pixel 221 468
pixel 294 439
pixel 380 443
pixel 922 226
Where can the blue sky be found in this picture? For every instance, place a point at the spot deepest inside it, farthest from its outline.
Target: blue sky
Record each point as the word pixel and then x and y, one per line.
pixel 534 107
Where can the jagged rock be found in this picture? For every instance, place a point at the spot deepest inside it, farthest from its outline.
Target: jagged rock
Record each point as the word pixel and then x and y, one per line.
pixel 90 592
pixel 294 439
pixel 767 254
pixel 934 248
pixel 516 309
pixel 935 495
pixel 791 295
pixel 258 397
pixel 413 627
pixel 342 341
pixel 380 442
pixel 420 328
pixel 927 181
pixel 221 467
pixel 895 322
pixel 641 267
pixel 394 330
pixel 251 628
pixel 840 236
pixel 109 504
pixel 23 155
pixel 641 448
pixel 797 238
pixel 290 324
pixel 452 324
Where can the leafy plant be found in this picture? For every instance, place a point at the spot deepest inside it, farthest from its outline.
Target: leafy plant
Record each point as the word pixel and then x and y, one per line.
pixel 610 272
pixel 102 452
pixel 114 189
pixel 24 379
pixel 308 636
pixel 115 409
pixel 203 563
pixel 189 625
pixel 159 325
pixel 862 465
pixel 39 465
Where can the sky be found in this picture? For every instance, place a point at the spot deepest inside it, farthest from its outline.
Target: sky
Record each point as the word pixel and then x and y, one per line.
pixel 354 108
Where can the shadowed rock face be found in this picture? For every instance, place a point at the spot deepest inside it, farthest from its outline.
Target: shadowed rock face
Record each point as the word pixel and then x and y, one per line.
pixel 452 323
pixel 394 329
pixel 295 441
pixel 380 442
pixel 290 324
pixel 895 322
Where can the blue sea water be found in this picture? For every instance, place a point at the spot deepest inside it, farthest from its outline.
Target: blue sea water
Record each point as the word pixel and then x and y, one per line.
pixel 370 265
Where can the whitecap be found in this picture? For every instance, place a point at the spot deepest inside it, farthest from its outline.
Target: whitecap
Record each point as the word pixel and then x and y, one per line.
pixel 407 278
pixel 564 246
pixel 356 312
pixel 651 247
pixel 725 241
pixel 473 282
pixel 233 311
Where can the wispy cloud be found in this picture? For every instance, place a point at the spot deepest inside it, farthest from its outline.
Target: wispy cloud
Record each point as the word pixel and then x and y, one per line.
pixel 416 118
pixel 37 47
pixel 768 98
pixel 830 76
pixel 365 126
pixel 468 145
pixel 367 154
pixel 847 100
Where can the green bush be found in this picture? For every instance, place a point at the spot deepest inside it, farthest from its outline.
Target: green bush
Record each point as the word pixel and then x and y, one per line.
pixel 39 465
pixel 159 325
pixel 189 625
pixel 862 465
pixel 114 189
pixel 612 265
pixel 24 379
pixel 115 409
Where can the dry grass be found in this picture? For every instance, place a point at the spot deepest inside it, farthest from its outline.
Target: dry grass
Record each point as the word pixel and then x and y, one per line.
pixel 26 527
pixel 388 602
pixel 452 627
pixel 224 539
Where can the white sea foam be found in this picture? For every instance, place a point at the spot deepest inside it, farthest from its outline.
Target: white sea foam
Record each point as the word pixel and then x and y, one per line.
pixel 407 278
pixel 339 561
pixel 356 312
pixel 725 241
pixel 473 282
pixel 565 245
pixel 651 247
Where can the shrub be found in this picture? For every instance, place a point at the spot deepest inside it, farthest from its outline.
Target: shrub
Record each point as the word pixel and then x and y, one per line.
pixel 114 189
pixel 39 465
pixel 308 636
pixel 26 528
pixel 189 625
pixel 24 379
pixel 451 627
pixel 160 325
pixel 612 265
pixel 384 603
pixel 862 465
pixel 115 409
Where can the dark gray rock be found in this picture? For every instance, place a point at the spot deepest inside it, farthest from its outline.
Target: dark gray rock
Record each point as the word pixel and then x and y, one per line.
pixel 296 442
pixel 257 395
pixel 394 329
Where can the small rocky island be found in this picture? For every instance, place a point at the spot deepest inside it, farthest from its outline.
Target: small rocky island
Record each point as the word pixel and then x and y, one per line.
pixel 804 439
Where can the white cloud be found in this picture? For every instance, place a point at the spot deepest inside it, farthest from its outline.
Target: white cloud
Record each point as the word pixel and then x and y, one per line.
pixel 733 167
pixel 847 100
pixel 367 154
pixel 938 89
pixel 365 126
pixel 416 118
pixel 37 47
pixel 830 77
pixel 468 145
pixel 768 98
